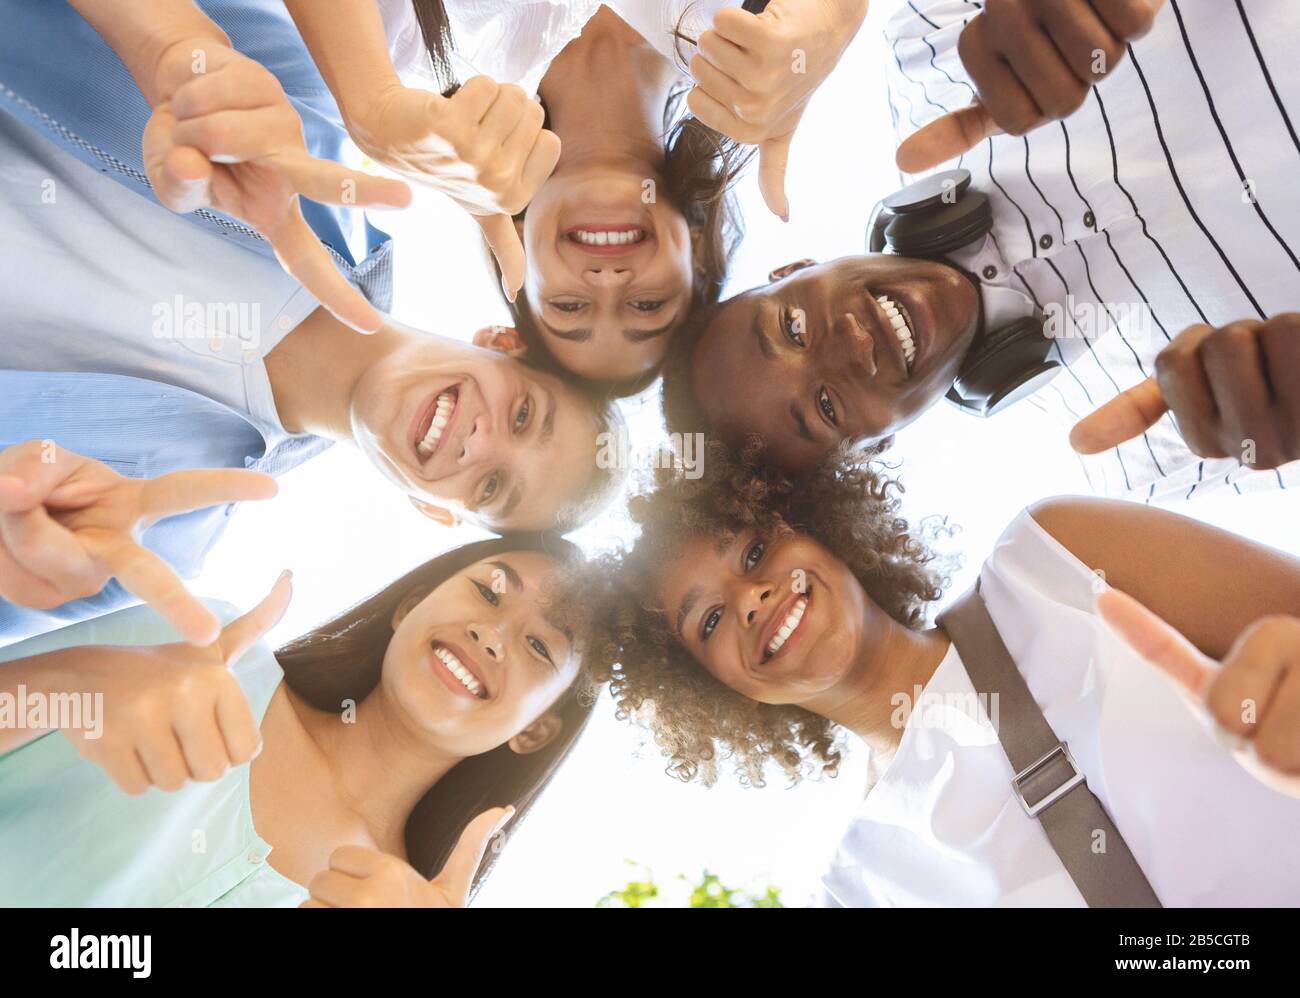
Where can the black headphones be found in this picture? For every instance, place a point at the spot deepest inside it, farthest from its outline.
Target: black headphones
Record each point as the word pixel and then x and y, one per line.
pixel 930 219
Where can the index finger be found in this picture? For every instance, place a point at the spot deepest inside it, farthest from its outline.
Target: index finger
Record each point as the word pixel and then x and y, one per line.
pixel 304 259
pixel 183 491
pixel 1157 642
pixel 946 138
pixel 1129 414
pixel 243 632
pixel 149 577
pixel 328 182
pixel 458 874
pixel 740 27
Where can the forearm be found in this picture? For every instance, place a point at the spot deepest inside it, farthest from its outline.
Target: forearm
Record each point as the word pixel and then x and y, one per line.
pixel 346 39
pixel 141 31
pixel 1207 583
pixel 30 689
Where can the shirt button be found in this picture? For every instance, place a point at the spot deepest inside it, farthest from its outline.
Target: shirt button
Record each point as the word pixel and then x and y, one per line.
pixel 215 344
pixel 990 272
pixel 1045 242
pixel 1089 219
pixel 255 857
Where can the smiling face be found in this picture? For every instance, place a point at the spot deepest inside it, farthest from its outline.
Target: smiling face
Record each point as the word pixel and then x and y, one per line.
pixel 850 350
pixel 778 621
pixel 609 276
pixel 476 432
pixel 476 660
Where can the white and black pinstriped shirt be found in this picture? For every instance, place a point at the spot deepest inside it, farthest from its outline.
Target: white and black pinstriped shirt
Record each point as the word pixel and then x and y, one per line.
pixel 1169 198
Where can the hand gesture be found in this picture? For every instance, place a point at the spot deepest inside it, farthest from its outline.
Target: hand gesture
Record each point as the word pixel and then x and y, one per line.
pixel 367 878
pixel 175 712
pixel 1233 391
pixel 223 135
pixel 1031 61
pixel 1253 695
pixel 484 147
pixel 68 524
pixel 754 75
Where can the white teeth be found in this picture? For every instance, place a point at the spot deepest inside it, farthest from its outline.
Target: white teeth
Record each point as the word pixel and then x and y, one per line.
pixel 901 328
pixel 445 406
pixel 605 238
pixel 459 671
pixel 788 626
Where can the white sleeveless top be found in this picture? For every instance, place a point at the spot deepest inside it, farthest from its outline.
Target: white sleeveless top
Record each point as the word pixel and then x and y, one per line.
pixel 514 41
pixel 942 828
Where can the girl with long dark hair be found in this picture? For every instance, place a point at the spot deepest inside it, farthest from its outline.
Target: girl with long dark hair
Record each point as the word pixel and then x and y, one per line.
pixel 374 739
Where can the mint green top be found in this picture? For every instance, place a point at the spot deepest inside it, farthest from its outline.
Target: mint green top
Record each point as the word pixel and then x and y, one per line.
pixel 70 837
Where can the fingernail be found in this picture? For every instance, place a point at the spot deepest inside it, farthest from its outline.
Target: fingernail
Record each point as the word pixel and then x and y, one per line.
pixel 510 295
pixel 285 576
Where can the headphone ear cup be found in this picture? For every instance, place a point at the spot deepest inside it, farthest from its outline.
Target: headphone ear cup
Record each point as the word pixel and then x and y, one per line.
pixel 1003 366
pixel 940 229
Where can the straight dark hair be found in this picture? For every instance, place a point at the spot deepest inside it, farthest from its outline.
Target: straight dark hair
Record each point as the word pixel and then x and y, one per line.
pixel 342 659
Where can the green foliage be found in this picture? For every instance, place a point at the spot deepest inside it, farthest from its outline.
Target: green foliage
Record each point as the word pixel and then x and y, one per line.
pixel 707 892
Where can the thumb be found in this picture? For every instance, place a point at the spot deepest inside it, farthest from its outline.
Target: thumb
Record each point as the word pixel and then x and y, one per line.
pixel 1157 642
pixel 1124 417
pixel 946 138
pixel 458 874
pixel 773 155
pixel 502 236
pixel 243 632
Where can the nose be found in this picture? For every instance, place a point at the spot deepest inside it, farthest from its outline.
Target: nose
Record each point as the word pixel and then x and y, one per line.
pixel 477 446
pixel 607 277
pixel 854 346
pixel 488 639
pixel 751 599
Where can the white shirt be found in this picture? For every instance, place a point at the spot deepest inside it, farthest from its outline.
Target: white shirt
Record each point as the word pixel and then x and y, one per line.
pixel 100 279
pixel 1139 206
pixel 514 41
pixel 942 828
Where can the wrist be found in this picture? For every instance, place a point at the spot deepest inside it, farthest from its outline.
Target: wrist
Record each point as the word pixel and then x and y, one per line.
pixel 364 112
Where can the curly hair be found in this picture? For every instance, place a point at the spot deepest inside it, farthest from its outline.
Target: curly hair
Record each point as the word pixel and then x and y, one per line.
pixel 850 505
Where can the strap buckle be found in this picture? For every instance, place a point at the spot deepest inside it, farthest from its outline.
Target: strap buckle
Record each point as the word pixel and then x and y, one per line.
pixel 1018 781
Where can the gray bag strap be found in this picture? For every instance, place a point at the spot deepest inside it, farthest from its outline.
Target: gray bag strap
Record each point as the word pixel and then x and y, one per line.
pixel 1048 784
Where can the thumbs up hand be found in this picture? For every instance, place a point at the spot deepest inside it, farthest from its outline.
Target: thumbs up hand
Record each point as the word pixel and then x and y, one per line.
pixel 367 878
pixel 1233 391
pixel 754 75
pixel 1252 697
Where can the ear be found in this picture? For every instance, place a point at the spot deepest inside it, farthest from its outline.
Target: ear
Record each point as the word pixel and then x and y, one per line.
pixel 437 514
pixel 537 735
pixel 785 270
pixel 503 339
pixel 409 602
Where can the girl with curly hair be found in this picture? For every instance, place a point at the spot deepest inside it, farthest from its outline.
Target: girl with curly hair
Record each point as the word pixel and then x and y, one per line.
pixel 761 617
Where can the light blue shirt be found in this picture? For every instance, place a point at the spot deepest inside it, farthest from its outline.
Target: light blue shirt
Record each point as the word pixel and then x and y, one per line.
pixel 60 77
pixel 70 838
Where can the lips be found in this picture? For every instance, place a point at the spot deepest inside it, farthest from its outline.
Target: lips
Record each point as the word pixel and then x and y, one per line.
pixel 609 239
pixel 458 672
pixel 785 626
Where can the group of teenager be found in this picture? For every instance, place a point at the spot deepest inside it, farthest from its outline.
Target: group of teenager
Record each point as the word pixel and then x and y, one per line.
pixel 1141 745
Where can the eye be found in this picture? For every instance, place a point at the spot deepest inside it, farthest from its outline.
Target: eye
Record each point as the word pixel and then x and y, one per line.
pixel 793 322
pixel 487 593
pixel 539 646
pixel 521 417
pixel 568 307
pixel 754 554
pixel 710 622
pixel 489 490
pixel 826 406
pixel 647 306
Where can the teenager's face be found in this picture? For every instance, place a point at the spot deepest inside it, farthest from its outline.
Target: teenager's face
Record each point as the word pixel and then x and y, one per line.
pixel 777 620
pixel 476 661
pixel 476 432
pixel 609 275
pixel 814 359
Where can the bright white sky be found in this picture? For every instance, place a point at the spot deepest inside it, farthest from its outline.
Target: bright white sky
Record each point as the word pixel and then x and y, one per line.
pixel 345 533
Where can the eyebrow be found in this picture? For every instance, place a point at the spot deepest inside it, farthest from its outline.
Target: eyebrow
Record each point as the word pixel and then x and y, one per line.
pixel 641 335
pixel 688 604
pixel 764 346
pixel 572 335
pixel 511 575
pixel 801 422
